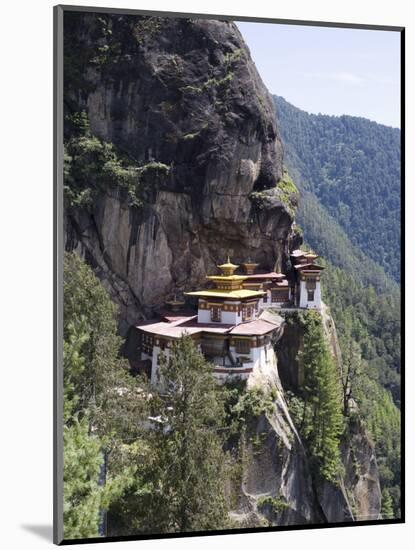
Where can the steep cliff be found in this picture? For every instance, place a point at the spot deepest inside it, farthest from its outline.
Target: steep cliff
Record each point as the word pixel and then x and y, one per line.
pixel 282 457
pixel 182 110
pixel 275 485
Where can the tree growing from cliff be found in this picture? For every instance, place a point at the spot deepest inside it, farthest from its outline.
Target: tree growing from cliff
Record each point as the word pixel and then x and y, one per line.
pixel 86 492
pixel 103 404
pixel 103 385
pixel 351 369
pixel 322 419
pixel 368 324
pixel 191 465
pixel 387 505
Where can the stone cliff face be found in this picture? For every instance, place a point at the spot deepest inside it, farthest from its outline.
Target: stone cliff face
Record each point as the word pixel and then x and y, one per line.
pixel 357 494
pixel 275 466
pixel 186 95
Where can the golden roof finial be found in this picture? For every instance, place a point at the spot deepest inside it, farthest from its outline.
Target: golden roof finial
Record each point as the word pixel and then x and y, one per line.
pixel 228 268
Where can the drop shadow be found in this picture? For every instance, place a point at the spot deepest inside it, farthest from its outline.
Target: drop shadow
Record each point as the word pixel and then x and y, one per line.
pixel 44 532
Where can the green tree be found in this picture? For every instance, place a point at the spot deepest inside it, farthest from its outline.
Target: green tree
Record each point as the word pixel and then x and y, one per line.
pixel 387 505
pixel 115 400
pixel 368 324
pixel 85 495
pixel 192 464
pixel 351 370
pixel 103 404
pixel 322 422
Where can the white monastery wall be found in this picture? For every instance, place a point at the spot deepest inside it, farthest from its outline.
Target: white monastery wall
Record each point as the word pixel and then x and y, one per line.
pixel 316 303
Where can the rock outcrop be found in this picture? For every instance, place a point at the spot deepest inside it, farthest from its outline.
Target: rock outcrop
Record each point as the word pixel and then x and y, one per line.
pixel 356 496
pixel 275 466
pixel 186 95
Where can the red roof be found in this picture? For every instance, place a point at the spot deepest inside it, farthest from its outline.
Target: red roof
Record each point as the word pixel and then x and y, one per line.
pixel 178 328
pixel 283 283
pixel 209 327
pixel 258 328
pixel 171 316
pixel 309 267
pixel 173 330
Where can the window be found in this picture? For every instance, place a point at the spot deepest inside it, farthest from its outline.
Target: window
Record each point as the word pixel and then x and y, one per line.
pixel 280 295
pixel 247 313
pixel 212 347
pixel 215 314
pixel 265 298
pixel 310 295
pixel 147 344
pixel 243 346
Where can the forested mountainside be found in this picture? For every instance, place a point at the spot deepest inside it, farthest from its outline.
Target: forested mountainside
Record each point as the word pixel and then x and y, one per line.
pixel 339 163
pixel 352 165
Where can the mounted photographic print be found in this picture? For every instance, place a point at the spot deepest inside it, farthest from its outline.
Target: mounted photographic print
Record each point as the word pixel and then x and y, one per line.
pixel 228 208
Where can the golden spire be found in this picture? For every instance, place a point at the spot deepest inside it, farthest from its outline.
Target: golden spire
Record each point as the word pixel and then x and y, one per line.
pixel 228 268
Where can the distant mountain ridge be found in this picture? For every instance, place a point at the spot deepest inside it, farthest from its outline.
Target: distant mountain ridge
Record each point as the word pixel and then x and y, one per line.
pixel 351 166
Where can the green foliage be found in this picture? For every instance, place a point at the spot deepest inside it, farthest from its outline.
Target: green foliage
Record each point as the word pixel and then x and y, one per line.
pixel 387 505
pixel 274 504
pixel 382 419
pixel 253 403
pixel 212 83
pixel 352 166
pixel 235 55
pixel 92 166
pixel 321 424
pixel 73 365
pixel 190 475
pixel 90 328
pixel 297 230
pixel 103 404
pixel 324 234
pixel 146 28
pixel 85 498
pixel 370 319
pixel 286 184
pixel 348 173
pixel 296 406
pixel 216 84
pixel 368 324
pixel 288 192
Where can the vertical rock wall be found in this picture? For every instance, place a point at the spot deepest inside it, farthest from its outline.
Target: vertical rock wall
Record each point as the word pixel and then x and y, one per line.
pixel 185 94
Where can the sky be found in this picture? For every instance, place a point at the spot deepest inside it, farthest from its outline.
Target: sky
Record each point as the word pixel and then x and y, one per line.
pixel 329 70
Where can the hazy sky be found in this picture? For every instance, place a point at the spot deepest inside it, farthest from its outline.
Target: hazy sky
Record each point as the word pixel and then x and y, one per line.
pixel 330 71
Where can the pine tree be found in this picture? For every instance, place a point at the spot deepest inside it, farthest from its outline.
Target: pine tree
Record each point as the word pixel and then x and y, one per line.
pixel 86 493
pixel 322 423
pixel 103 404
pixel 387 505
pixel 191 463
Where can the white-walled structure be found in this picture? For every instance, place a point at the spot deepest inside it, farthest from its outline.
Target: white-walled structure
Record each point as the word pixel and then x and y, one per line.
pixel 310 299
pixel 234 328
pixel 308 291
